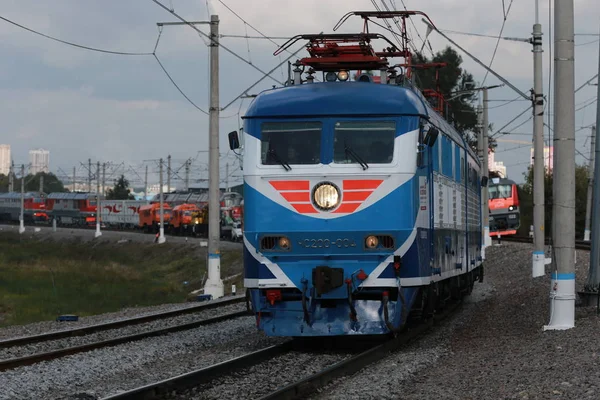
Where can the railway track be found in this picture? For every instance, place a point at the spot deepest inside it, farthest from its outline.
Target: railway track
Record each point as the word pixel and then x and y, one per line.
pixel 579 244
pixel 50 355
pixel 86 330
pixel 178 385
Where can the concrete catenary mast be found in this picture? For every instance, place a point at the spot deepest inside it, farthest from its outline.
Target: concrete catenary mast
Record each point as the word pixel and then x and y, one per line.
pixel 562 287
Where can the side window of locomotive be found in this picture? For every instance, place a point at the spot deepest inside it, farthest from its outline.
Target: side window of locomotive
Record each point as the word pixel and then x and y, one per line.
pixel 290 142
pixel 369 141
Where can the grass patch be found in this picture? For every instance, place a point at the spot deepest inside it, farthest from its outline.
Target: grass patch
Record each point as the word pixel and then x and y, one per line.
pixel 41 280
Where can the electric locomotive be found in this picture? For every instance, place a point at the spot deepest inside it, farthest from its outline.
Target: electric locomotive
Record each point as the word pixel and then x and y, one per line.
pixel 504 207
pixel 362 203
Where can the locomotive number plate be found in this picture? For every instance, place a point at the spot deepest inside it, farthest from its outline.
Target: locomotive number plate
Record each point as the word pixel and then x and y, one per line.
pixel 327 243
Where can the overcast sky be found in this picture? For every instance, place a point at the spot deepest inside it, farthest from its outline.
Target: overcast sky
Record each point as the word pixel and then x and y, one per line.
pixel 80 104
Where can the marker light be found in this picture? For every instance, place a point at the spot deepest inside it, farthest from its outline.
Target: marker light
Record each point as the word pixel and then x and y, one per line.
pixel 331 76
pixel 371 242
pixel 343 76
pixel 326 196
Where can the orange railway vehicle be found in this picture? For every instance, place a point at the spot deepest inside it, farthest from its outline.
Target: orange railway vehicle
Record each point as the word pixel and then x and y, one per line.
pixel 150 216
pixel 184 217
pixel 504 207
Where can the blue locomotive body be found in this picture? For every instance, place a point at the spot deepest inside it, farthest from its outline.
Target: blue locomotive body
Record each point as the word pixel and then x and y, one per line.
pixel 362 205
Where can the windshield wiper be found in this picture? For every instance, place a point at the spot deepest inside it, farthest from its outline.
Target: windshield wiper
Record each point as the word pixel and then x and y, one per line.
pixel 358 158
pixel 285 165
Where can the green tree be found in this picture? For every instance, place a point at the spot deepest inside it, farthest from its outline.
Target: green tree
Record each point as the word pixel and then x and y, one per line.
pixel 32 183
pixel 526 201
pixel 3 183
pixel 51 183
pixel 455 84
pixel 120 191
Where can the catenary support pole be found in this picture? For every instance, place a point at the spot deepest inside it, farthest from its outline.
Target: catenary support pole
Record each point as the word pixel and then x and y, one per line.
pixel 89 175
pixel 562 287
pixel 538 257
pixel 227 177
pixel 11 177
pixel 214 284
pixel 169 173
pixel 98 233
pixel 146 184
pixel 41 183
pixel 487 240
pixel 593 282
pixel 103 179
pixel 591 174
pixel 187 175
pixel 74 178
pixel 21 216
pixel 480 155
pixel 161 228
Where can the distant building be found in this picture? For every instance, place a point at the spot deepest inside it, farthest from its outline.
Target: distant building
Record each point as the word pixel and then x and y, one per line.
pixel 548 157
pixel 4 159
pixel 39 161
pixel 496 166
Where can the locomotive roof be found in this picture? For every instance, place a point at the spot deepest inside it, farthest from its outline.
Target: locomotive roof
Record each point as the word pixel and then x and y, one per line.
pixel 72 196
pixel 501 181
pixel 336 98
pixel 17 195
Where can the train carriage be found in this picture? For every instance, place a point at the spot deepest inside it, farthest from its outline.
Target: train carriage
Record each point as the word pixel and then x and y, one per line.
pixel 362 204
pixel 77 209
pixel 34 207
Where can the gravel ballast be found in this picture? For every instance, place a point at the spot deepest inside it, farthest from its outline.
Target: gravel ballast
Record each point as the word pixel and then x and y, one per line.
pixel 264 378
pixel 107 371
pixel 495 348
pixel 37 328
pixel 42 347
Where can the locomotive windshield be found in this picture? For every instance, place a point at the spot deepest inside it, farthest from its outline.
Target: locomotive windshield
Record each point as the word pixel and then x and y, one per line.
pixel 291 142
pixel 500 191
pixel 371 141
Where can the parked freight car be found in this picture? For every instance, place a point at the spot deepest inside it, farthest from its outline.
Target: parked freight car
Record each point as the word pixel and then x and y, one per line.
pixel 122 214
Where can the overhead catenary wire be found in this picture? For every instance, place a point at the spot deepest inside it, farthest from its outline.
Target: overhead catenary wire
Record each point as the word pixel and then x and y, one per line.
pixel 153 53
pixel 177 86
pixel 120 53
pixel 220 44
pixel 497 41
pixel 416 30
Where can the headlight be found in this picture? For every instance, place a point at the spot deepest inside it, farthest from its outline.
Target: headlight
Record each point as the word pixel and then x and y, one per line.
pixel 330 76
pixel 284 243
pixel 371 242
pixel 510 208
pixel 326 196
pixel 343 76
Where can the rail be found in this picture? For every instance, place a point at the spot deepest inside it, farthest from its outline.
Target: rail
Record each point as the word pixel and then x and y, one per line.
pixel 51 355
pixel 579 244
pixel 86 330
pixel 195 378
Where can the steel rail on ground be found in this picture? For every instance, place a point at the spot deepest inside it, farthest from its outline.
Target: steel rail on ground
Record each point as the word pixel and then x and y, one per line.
pixel 86 330
pixel 51 355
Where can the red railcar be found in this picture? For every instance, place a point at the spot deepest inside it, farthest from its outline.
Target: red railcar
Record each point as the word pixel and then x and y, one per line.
pixel 34 207
pixel 505 217
pixel 72 208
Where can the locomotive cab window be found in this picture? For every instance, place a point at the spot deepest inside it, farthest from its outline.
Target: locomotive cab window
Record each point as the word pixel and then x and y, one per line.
pixel 500 191
pixel 357 142
pixel 290 142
